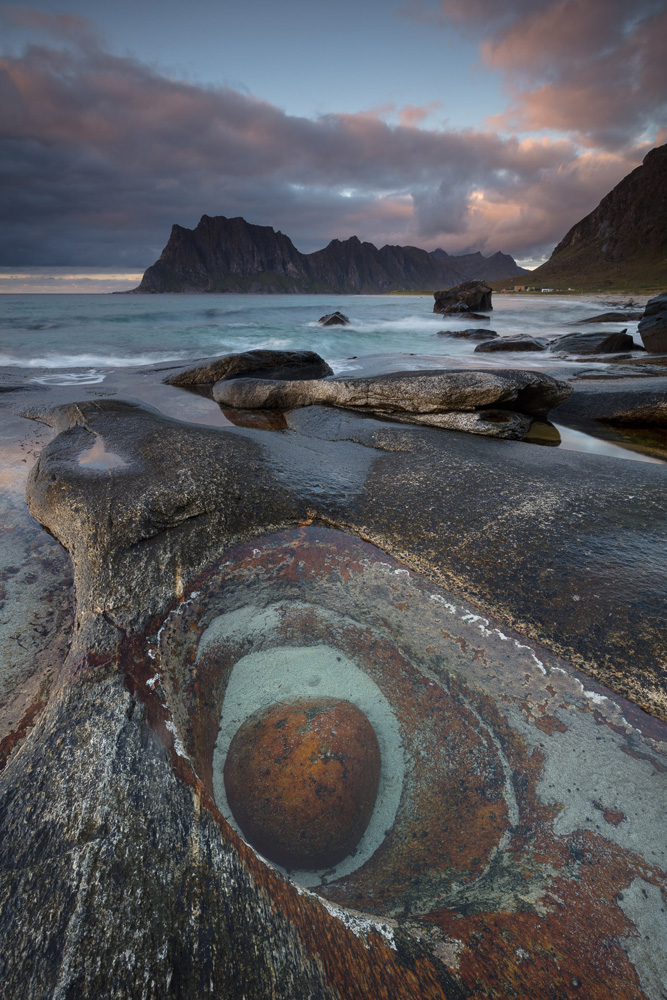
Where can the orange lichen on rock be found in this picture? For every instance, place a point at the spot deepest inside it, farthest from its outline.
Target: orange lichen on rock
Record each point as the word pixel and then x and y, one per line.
pixel 301 779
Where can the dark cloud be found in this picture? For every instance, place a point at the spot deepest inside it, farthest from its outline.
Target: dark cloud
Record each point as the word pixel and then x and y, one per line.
pixel 99 155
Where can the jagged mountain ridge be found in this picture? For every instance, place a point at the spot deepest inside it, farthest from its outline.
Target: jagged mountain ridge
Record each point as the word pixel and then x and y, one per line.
pixel 623 241
pixel 475 266
pixel 232 255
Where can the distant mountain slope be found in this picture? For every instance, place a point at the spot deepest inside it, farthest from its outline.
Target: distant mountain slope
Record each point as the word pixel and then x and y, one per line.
pixel 623 243
pixel 231 255
pixel 473 266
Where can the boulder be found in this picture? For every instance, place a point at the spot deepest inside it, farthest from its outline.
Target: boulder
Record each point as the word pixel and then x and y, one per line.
pixel 471 295
pixel 476 333
pixel 653 325
pixel 334 319
pixel 594 343
pixel 612 317
pixel 511 344
pixel 415 397
pixel 255 364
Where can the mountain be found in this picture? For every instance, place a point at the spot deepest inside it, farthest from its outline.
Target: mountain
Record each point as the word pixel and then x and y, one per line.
pixel 231 255
pixel 623 242
pixel 472 266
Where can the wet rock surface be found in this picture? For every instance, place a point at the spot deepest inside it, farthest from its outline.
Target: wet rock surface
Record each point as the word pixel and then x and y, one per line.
pixel 486 589
pixel 620 401
pixel 511 344
pixel 612 317
pixel 653 325
pixel 476 333
pixel 438 398
pixel 334 319
pixel 271 364
pixel 595 343
pixel 473 296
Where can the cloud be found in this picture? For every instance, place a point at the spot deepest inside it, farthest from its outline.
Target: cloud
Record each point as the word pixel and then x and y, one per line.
pixel 593 68
pixel 99 155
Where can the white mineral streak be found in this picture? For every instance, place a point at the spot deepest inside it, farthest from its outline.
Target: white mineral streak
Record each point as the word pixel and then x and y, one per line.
pixel 154 651
pixel 360 926
pixel 441 600
pixel 178 746
pixel 483 625
pixel 359 923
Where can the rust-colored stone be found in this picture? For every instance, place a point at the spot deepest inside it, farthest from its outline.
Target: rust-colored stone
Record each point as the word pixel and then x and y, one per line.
pixel 301 780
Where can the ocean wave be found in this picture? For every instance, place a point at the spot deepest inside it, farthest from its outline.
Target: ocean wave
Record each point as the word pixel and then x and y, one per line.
pixel 407 324
pixel 96 360
pixel 92 377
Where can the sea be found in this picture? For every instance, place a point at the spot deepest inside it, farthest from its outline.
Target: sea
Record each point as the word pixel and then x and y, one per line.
pixel 81 338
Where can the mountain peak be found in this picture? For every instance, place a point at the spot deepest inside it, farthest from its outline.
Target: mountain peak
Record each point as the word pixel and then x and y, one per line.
pixel 623 242
pixel 232 255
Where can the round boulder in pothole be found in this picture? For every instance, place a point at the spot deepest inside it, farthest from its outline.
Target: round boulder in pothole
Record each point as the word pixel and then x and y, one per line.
pixel 301 779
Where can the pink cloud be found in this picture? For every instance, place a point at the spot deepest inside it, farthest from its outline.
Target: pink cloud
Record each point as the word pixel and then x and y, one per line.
pixel 593 68
pixel 414 115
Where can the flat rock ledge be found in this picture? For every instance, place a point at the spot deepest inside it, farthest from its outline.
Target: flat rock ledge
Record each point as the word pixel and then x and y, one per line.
pixel 497 404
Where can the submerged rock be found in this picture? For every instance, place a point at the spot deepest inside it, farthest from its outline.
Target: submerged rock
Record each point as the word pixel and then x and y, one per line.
pixel 476 333
pixel 301 780
pixel 611 317
pixel 255 364
pixel 594 343
pixel 511 344
pixel 334 319
pixel 653 325
pixel 471 295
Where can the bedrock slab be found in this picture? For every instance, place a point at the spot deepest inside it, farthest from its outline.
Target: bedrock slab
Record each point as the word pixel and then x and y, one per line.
pixel 525 852
pixel 569 547
pixel 471 601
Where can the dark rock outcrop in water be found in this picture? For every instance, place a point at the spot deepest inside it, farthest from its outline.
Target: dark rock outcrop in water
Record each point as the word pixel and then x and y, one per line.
pixel 231 255
pixel 623 242
pixel 475 333
pixel 334 319
pixel 470 296
pixel 653 325
pixel 613 342
pixel 270 364
pixel 510 344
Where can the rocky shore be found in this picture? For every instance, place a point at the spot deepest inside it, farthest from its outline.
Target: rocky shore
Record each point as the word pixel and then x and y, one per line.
pixel 496 609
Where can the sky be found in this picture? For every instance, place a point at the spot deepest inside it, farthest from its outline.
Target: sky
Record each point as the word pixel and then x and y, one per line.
pixel 462 124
